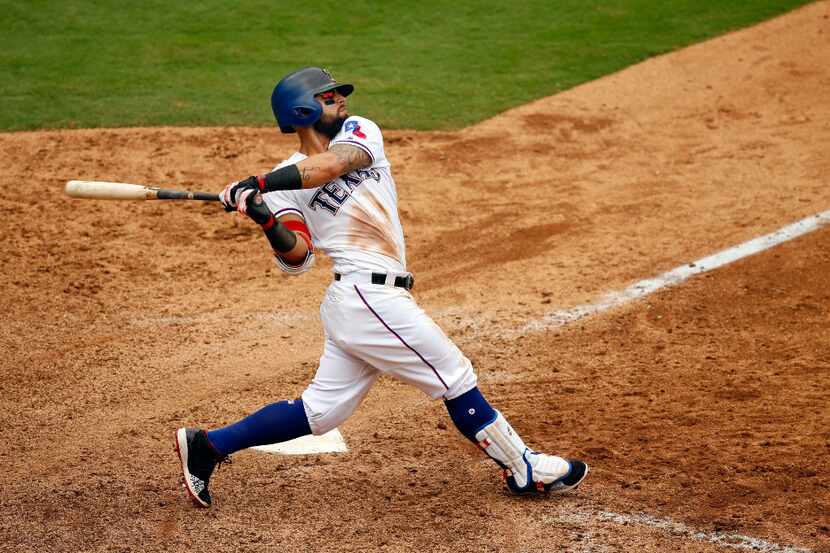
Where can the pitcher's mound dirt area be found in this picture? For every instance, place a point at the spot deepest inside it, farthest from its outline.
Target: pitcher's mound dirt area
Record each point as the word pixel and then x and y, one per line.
pixel 704 405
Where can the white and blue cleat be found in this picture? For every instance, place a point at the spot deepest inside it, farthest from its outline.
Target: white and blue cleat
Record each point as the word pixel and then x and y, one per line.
pixel 543 474
pixel 527 472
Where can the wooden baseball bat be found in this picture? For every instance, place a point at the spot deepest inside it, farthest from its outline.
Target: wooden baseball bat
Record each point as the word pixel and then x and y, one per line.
pixel 101 190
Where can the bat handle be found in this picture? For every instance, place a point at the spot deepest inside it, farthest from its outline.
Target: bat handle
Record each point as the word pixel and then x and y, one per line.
pixel 162 194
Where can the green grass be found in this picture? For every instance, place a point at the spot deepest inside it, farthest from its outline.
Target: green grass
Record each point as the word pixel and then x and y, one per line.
pixel 424 65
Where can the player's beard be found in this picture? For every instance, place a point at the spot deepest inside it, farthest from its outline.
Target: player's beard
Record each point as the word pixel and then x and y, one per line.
pixel 331 127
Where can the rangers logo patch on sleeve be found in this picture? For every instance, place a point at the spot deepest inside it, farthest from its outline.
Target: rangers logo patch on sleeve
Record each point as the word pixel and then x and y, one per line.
pixel 354 128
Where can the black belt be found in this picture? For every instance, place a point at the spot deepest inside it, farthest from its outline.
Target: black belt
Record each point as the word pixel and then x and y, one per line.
pixel 405 282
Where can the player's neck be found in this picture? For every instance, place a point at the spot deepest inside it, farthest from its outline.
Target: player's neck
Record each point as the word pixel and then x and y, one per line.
pixel 312 142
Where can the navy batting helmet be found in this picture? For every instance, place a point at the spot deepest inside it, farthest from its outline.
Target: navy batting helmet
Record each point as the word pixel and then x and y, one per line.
pixel 293 98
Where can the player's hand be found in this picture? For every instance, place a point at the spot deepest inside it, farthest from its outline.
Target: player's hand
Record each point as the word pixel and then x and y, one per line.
pixel 231 193
pixel 250 203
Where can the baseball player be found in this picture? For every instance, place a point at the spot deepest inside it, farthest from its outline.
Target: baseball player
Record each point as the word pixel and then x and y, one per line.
pixel 336 195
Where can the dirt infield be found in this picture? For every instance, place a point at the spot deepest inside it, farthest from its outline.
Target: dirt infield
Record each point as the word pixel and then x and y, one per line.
pixel 702 409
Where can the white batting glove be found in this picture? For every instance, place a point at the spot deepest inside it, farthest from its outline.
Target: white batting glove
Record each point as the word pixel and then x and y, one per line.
pixel 242 198
pixel 230 195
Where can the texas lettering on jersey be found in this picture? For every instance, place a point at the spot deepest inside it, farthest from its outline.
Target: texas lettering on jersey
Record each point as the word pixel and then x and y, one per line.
pixel 332 195
pixel 354 218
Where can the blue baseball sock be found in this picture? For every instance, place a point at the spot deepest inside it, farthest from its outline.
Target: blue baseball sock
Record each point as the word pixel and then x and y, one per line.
pixel 275 423
pixel 470 412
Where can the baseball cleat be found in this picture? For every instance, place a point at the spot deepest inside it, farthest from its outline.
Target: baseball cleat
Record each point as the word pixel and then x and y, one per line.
pixel 537 478
pixel 525 471
pixel 198 459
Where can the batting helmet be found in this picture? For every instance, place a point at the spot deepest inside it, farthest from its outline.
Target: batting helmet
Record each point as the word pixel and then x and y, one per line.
pixel 293 98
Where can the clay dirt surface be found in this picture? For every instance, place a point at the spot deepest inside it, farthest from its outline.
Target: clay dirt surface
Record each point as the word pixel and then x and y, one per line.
pixel 704 404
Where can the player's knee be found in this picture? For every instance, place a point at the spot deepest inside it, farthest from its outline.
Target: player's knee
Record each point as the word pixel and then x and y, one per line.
pixel 325 416
pixel 466 381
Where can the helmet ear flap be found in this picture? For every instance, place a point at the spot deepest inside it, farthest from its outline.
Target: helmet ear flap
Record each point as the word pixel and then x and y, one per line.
pixel 301 114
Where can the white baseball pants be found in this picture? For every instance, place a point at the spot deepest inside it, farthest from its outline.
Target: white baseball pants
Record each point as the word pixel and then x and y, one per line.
pixel 374 329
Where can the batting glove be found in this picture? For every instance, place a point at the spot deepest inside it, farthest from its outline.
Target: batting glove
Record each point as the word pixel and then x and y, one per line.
pixel 231 194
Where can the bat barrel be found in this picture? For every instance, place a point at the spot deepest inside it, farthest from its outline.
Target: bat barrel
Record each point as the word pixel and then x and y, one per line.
pixel 101 190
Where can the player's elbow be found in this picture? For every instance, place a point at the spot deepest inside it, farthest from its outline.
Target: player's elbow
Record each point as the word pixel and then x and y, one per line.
pixel 294 257
pixel 295 268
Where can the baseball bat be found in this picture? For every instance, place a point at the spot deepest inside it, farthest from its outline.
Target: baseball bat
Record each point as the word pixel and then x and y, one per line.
pixel 101 190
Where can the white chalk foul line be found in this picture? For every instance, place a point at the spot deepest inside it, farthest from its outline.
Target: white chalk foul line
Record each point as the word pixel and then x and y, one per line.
pixel 679 274
pixel 585 520
pixel 648 286
pixel 724 539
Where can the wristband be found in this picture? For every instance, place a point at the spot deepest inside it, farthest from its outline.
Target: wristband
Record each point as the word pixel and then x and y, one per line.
pixel 285 178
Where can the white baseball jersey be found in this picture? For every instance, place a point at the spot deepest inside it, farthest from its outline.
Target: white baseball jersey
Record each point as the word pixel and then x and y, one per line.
pixel 354 218
pixel 371 329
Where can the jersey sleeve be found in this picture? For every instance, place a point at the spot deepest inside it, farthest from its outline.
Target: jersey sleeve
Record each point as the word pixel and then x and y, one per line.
pixel 282 202
pixel 366 135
